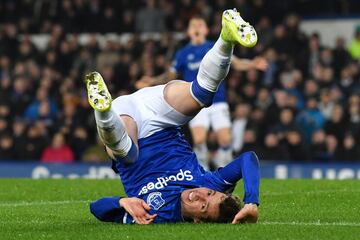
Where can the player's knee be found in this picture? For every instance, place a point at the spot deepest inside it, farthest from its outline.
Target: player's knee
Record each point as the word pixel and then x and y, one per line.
pixel 199 135
pixel 178 95
pixel 224 138
pixel 199 141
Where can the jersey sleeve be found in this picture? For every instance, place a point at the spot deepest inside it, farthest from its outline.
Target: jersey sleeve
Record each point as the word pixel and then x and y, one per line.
pixel 108 209
pixel 246 166
pixel 214 181
pixel 178 63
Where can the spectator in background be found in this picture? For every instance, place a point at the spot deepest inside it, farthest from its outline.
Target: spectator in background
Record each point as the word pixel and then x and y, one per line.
pixel 5 93
pixel 65 57
pixel 348 150
pixel 354 48
pixel 6 147
pixel 128 21
pixel 296 146
pixel 240 121
pixel 341 56
pixel 310 58
pixel 300 70
pixel 311 89
pixel 110 21
pixel 150 18
pixel 249 93
pixel 336 125
pixel 233 92
pixel 9 42
pixel 347 82
pixel 20 96
pixel 296 37
pixel 310 119
pixel 27 51
pixel 354 116
pixel 264 29
pixel 79 140
pixel 270 73
pixel 286 122
pixel 280 42
pixel 5 111
pixel 326 78
pixel 318 149
pixel 263 100
pixel 33 144
pixel 42 108
pixel 58 151
pixel 326 104
pixel 279 102
pixel 19 136
pixel 326 57
pixel 95 153
pixel 273 150
pixel 257 122
pixel 108 57
pixel 4 126
pixel 331 147
pixel 250 141
pixel 69 118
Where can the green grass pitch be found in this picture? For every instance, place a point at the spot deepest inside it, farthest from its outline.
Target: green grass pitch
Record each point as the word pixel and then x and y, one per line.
pixel 290 209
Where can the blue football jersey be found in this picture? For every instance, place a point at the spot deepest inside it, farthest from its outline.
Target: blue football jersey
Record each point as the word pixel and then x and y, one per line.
pixel 167 166
pixel 187 62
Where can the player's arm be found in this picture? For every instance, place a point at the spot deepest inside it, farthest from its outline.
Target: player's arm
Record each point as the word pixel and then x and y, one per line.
pixel 108 209
pixel 246 166
pixel 242 64
pixel 147 81
pixel 115 209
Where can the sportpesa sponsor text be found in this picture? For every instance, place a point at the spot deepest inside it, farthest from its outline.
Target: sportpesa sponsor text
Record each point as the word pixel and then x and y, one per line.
pixel 163 181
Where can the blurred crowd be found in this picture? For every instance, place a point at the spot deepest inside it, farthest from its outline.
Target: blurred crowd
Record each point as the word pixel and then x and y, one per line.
pixel 40 16
pixel 305 106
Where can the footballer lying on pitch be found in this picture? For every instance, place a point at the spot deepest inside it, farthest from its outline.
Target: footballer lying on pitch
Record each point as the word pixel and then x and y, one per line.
pixel 160 172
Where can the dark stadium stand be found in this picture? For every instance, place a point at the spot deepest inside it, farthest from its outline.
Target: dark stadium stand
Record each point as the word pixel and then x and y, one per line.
pixel 305 107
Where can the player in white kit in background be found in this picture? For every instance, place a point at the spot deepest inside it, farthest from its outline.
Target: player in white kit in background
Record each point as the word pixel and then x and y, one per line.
pixel 217 116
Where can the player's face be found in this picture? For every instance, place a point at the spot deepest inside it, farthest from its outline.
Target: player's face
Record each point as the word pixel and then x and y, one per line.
pixel 201 203
pixel 197 30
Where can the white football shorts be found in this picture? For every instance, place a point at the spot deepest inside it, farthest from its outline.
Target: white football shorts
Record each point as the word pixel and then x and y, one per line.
pixel 217 116
pixel 149 110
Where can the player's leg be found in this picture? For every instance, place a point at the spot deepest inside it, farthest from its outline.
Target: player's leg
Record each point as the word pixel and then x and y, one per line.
pixel 221 124
pixel 199 126
pixel 190 98
pixel 112 129
pixel 224 153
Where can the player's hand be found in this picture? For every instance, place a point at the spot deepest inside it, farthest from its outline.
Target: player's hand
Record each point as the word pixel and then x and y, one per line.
pixel 260 63
pixel 145 81
pixel 248 214
pixel 137 208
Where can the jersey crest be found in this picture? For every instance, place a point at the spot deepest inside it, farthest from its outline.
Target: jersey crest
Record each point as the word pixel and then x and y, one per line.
pixel 155 200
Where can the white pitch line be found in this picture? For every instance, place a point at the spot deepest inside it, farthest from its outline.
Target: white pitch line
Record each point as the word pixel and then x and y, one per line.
pixel 347 224
pixel 309 192
pixel 320 224
pixel 37 203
